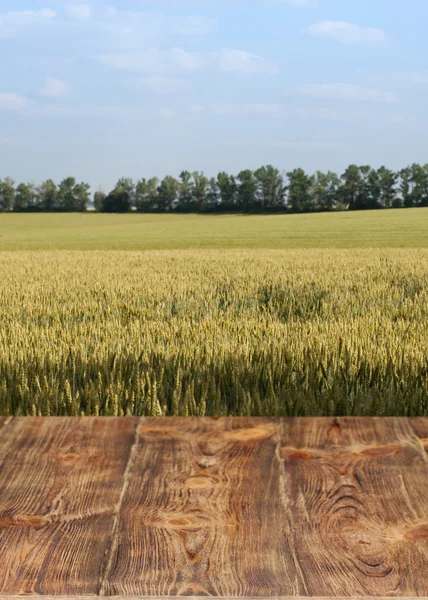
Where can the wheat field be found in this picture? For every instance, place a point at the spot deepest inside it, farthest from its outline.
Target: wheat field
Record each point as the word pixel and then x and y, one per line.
pixel 214 332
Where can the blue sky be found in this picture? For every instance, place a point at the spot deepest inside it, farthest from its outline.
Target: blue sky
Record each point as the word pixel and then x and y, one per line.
pixel 136 88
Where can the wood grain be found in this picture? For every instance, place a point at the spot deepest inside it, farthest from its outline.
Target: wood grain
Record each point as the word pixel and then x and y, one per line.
pixel 157 508
pixel 203 512
pixel 358 492
pixel 60 481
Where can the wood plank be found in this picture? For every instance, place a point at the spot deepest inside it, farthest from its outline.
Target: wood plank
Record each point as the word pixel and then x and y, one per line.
pixel 60 483
pixel 203 513
pixel 358 493
pixel 35 597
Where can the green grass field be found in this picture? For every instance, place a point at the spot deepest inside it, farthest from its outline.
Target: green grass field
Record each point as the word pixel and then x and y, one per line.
pixel 370 229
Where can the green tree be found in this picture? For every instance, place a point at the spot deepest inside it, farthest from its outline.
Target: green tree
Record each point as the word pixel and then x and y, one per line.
pixel 7 194
pixel 117 201
pixel 350 191
pixel 325 187
pixel 406 187
pixel 419 180
pixel 200 191
pixel 373 190
pixel 125 185
pixel 24 198
pixel 146 195
pixel 47 196
pixel 168 191
pixel 247 191
pixel 82 196
pixel 387 183
pixel 185 196
pixel 271 188
pixel 228 191
pixel 299 191
pixel 99 199
pixel 213 195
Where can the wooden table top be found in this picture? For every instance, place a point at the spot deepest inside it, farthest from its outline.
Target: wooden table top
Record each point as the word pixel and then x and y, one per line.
pixel 224 507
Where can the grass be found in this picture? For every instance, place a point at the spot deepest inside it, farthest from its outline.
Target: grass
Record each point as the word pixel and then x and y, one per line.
pixel 370 229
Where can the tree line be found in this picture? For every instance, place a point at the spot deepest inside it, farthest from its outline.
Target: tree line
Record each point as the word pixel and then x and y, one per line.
pixel 266 190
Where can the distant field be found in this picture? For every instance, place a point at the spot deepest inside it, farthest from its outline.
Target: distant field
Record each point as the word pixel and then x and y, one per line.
pixel 369 229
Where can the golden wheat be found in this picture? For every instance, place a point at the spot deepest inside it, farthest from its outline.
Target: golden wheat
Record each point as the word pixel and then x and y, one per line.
pixel 263 332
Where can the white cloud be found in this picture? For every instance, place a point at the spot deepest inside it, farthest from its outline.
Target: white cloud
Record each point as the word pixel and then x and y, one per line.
pixel 300 2
pixel 159 62
pixel 411 77
pixel 55 88
pixel 190 61
pixel 147 61
pixel 12 101
pixel 226 110
pixel 245 62
pixel 163 84
pixel 155 25
pixel 312 145
pixel 348 33
pixel 15 21
pixel 79 11
pixel 347 91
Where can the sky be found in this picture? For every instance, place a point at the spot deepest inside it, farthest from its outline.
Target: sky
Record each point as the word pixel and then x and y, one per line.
pixel 139 88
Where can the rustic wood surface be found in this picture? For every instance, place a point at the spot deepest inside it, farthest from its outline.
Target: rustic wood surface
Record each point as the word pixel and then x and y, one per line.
pixel 157 508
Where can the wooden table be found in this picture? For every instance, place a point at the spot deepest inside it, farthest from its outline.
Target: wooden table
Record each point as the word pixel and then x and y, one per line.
pixel 224 507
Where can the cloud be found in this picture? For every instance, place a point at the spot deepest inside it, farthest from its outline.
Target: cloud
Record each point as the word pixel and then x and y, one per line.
pixel 12 101
pixel 411 77
pixel 55 88
pixel 190 61
pixel 79 11
pixel 348 33
pixel 163 84
pixel 268 110
pixel 300 2
pixel 14 22
pixel 245 62
pixel 160 62
pixel 156 25
pixel 147 61
pixel 347 91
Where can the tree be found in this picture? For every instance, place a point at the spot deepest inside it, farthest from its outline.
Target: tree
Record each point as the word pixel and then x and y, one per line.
pixel 373 190
pixel 82 197
pixel 125 185
pixel 146 195
pixel 228 190
pixel 200 190
pixel 406 187
pixel 7 194
pixel 213 195
pixel 47 196
pixel 350 191
pixel 99 199
pixel 299 191
pixel 387 183
pixel 325 188
pixel 185 199
pixel 247 191
pixel 72 196
pixel 270 194
pixel 24 196
pixel 117 202
pixel 419 179
pixel 168 191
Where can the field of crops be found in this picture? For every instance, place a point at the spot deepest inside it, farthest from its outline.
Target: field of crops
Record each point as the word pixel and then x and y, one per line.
pixel 367 229
pixel 213 332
